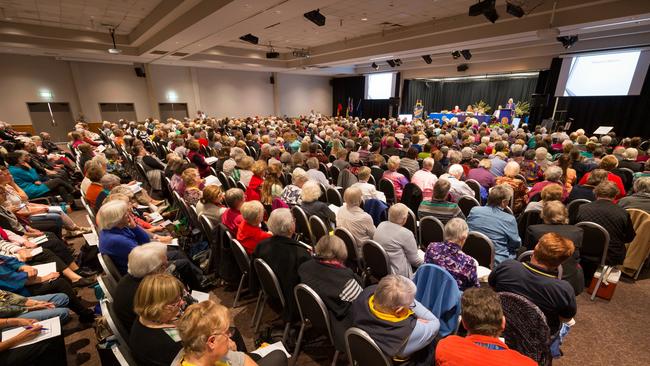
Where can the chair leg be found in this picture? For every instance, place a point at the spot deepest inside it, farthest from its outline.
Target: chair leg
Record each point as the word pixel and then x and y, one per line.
pixel 285 333
pixel 296 351
pixel 241 284
pixel 257 308
pixel 336 357
pixel 600 280
pixel 259 316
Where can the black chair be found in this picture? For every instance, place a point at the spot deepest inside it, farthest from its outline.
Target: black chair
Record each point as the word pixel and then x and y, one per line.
pixel 376 261
pixel 334 197
pixel 313 314
pixel 362 350
pixel 318 228
pixel 476 187
pixel 431 231
pixel 323 168
pixel 573 207
pixel 481 248
pixel 387 187
pixel 334 174
pixel 526 219
pixel 270 290
pixel 118 329
pixel 353 262
pixel 626 175
pixel 412 197
pixel 595 243
pixel 405 172
pixel 225 184
pixel 466 203
pixel 244 263
pixel 323 193
pixel 412 223
pixel 107 285
pixel 109 267
pixel 232 183
pixel 213 236
pixel 371 180
pixel 302 224
pixel 241 186
pixel 228 267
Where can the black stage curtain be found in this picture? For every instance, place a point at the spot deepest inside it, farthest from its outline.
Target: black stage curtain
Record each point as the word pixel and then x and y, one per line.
pixel 628 114
pixel 444 95
pixel 375 108
pixel 344 88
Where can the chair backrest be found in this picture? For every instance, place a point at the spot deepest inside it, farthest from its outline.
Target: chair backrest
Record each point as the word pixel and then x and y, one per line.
pixel 387 187
pixel 411 223
pixel 107 286
pixel 334 174
pixel 302 223
pixel 573 208
pixel 213 237
pixel 312 309
pixel 362 350
pixel 323 168
pixel 114 324
pixel 371 180
pixel 431 230
pixel 526 219
pixel 241 186
pixel 334 197
pixel 268 281
pixel 412 196
pixel 526 329
pixel 525 256
pixel 350 245
pixel 595 242
pixel 232 183
pixel 405 172
pixel 123 355
pixel 109 267
pixel 476 187
pixel 225 183
pixel 466 203
pixel 241 257
pixel 318 228
pixel 626 175
pixel 376 259
pixel 323 193
pixel 481 248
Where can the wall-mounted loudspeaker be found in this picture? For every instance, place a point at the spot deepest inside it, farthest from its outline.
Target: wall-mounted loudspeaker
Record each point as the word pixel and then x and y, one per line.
pixel 272 80
pixel 139 70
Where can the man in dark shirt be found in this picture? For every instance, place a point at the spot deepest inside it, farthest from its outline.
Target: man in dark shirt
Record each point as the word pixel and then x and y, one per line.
pixel 537 280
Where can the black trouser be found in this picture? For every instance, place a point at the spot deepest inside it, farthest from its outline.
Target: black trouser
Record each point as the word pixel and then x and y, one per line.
pixel 59 285
pixel 52 226
pixel 59 248
pixel 62 188
pixel 47 257
pixel 50 352
pixel 275 358
pixel 188 272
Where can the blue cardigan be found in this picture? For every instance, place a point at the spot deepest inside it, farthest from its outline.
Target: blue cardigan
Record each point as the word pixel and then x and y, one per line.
pixel 25 180
pixel 10 279
pixel 118 243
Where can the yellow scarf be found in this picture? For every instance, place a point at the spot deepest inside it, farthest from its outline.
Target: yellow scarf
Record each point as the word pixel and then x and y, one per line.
pixel 384 316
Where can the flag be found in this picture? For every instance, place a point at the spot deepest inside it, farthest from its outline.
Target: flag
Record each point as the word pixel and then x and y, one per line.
pixel 359 111
pixel 350 110
pixel 339 108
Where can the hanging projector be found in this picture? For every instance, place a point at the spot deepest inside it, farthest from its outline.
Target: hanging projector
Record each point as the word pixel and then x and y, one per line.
pixel 114 50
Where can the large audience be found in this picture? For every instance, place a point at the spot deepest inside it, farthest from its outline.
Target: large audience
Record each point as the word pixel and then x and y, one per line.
pixel 317 200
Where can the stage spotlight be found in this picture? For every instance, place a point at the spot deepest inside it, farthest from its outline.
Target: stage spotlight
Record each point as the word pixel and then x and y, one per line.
pixel 374 66
pixel 568 41
pixel 315 17
pixel 466 54
pixel 492 15
pixel 462 67
pixel 390 63
pixel 272 54
pixel 481 7
pixel 515 10
pixel 250 39
pixel 427 59
pixel 398 62
pixel 455 54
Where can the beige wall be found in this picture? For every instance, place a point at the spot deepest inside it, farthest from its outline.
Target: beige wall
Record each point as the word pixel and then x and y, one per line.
pixel 218 92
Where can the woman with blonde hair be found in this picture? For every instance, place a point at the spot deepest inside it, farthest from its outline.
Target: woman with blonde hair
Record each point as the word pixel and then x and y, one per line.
pixel 249 232
pixel 205 332
pixel 211 204
pixel 158 303
pixel 192 181
pixel 399 180
pixel 272 186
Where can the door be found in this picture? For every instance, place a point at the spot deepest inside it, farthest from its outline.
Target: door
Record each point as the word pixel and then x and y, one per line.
pixel 113 112
pixel 54 118
pixel 173 110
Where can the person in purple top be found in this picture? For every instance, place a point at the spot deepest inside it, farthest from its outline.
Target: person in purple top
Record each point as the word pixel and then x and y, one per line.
pixel 482 174
pixel 448 255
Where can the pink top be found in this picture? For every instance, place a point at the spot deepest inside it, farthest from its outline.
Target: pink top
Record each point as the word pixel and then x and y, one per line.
pixel 425 180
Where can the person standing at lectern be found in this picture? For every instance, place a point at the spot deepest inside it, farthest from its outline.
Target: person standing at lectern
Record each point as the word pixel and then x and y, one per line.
pixel 511 104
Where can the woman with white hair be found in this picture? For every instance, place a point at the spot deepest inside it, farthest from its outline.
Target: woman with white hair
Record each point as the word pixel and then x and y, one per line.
pixel 398 179
pixel 312 206
pixel 458 187
pixel 389 313
pixel 353 218
pixel 118 233
pixel 552 175
pixel 399 242
pixel 448 254
pixel 292 193
pixel 144 260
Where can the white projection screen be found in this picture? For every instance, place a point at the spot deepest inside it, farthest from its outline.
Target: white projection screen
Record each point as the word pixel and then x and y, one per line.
pixel 380 85
pixel 616 72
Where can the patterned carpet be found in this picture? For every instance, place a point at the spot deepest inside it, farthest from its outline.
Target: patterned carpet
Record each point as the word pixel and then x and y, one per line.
pixel 606 332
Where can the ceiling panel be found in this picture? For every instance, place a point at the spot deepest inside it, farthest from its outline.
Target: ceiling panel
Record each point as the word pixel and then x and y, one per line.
pixel 78 14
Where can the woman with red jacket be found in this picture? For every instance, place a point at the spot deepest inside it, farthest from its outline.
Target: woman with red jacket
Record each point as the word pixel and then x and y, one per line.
pixel 254 189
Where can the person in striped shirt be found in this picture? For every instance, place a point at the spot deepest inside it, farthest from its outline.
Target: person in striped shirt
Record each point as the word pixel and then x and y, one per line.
pixel 439 207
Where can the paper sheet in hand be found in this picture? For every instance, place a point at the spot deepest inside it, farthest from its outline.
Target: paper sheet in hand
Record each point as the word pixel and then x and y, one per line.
pixel 174 242
pixel 36 251
pixel 45 269
pixel 211 180
pixel 270 348
pixel 52 328
pixel 200 296
pixel 135 188
pixel 155 217
pixel 91 239
pixel 482 272
pixel 40 239
pixel 211 160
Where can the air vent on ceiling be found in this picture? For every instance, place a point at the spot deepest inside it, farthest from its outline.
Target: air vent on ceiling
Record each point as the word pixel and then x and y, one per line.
pixel 180 54
pixel 272 25
pixel 158 52
pixel 389 24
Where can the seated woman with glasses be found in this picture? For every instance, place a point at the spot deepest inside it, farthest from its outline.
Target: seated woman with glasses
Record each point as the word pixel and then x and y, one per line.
pixel 206 335
pixel 158 302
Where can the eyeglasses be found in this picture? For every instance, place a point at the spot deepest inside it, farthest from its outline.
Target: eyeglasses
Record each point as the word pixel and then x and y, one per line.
pixel 228 333
pixel 177 304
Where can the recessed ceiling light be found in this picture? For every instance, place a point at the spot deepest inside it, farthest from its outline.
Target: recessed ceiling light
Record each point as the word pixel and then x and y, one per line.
pixel 364 19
